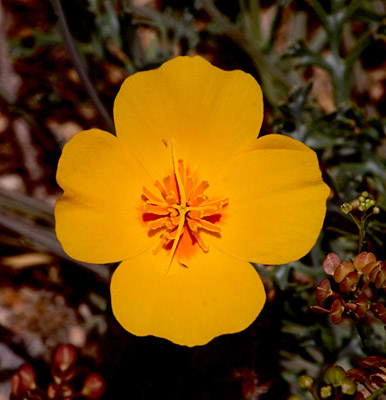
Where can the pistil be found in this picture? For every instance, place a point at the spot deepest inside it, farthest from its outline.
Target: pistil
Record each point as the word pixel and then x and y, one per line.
pixel 182 208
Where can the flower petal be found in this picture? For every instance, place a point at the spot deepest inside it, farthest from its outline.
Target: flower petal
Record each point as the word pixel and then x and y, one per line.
pixel 98 217
pixel 210 114
pixel 277 202
pixel 191 304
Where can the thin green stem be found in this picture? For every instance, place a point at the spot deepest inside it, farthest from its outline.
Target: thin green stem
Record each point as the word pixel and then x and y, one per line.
pixel 78 64
pixel 357 223
pixel 317 7
pixel 374 395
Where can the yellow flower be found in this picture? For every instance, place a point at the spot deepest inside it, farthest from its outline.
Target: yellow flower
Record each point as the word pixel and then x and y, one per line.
pixel 186 196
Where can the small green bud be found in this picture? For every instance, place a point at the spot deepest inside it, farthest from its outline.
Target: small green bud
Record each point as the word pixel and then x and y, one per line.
pixel 361 199
pixel 361 208
pixel 325 392
pixel 335 375
pixel 305 382
pixel 349 386
pixel 376 210
pixel 365 194
pixel 346 208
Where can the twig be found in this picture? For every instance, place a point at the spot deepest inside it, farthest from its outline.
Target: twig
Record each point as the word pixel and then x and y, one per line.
pixel 45 238
pixel 78 64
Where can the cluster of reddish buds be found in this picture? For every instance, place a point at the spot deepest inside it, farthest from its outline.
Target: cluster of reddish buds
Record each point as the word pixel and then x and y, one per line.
pixel 371 374
pixel 63 371
pixel 354 288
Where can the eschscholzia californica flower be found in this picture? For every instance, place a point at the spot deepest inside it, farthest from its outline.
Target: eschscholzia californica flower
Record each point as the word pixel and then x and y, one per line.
pixel 185 196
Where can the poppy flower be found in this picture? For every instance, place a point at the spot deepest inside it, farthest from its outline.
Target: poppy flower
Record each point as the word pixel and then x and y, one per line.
pixel 186 197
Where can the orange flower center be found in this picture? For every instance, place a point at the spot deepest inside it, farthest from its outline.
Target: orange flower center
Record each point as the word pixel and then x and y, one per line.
pixel 181 210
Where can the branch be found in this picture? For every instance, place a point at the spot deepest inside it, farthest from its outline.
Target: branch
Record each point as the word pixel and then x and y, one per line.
pixel 78 64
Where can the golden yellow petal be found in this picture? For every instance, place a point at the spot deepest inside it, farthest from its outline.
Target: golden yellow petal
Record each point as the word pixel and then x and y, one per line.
pixel 276 141
pixel 210 114
pixel 98 217
pixel 213 294
pixel 277 202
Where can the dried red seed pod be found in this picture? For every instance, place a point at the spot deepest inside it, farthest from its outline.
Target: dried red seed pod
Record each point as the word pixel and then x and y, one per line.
pixel 64 357
pixel 53 391
pixel 357 375
pixel 319 310
pixel 380 279
pixel 362 259
pixel 336 311
pixel 378 379
pixel 330 263
pixel 362 306
pixel 371 269
pixel 342 270
pixel 93 387
pixel 63 363
pixel 15 385
pixel 379 311
pixel 323 290
pixel 362 395
pixel 372 362
pixel 350 306
pixel 66 392
pixel 27 377
pixel 349 282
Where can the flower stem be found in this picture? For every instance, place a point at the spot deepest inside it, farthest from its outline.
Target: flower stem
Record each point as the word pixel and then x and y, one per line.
pixel 78 64
pixel 361 227
pixel 377 393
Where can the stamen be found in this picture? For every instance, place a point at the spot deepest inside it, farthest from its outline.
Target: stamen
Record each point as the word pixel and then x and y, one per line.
pixel 181 210
pixel 155 209
pixel 161 244
pixel 200 242
pixel 208 226
pixel 160 188
pixel 189 187
pixel 181 170
pixel 199 189
pixel 150 195
pixel 158 223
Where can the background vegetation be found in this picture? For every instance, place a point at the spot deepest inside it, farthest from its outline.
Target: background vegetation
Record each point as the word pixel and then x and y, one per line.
pixel 322 67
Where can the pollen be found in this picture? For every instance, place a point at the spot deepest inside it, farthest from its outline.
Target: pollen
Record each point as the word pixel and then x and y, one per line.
pixel 178 209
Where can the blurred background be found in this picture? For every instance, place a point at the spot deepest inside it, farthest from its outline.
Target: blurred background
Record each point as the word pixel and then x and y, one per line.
pixel 322 68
